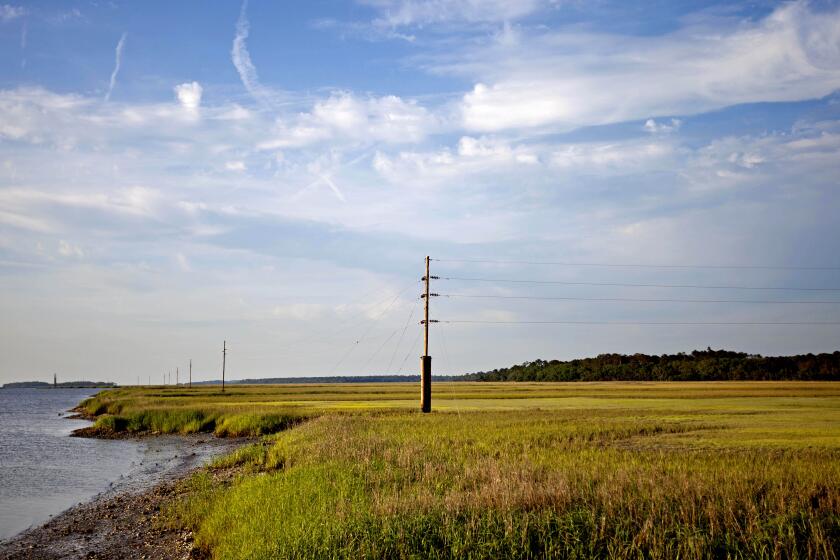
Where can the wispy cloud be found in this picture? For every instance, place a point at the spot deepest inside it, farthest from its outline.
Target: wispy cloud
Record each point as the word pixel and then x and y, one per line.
pixel 9 12
pixel 568 78
pixel 242 58
pixel 413 12
pixel 117 64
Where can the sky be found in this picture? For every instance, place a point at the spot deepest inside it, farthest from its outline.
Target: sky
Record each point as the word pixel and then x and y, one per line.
pixel 272 174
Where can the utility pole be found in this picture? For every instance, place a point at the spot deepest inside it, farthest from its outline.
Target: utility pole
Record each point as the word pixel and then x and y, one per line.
pixel 224 355
pixel 190 373
pixel 425 359
pixel 176 377
pixel 55 381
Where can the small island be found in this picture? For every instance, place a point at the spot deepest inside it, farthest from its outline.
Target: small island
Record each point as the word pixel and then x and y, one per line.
pixel 62 385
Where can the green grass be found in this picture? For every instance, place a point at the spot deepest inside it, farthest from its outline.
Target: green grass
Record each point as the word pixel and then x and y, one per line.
pixel 600 470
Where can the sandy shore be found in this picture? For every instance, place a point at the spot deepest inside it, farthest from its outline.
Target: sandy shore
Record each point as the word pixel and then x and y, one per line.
pixel 122 521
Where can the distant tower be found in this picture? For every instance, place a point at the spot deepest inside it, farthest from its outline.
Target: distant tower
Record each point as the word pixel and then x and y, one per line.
pixel 55 380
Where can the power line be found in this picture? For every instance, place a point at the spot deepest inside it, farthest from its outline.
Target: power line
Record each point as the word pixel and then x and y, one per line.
pixel 638 265
pixel 347 322
pixel 378 350
pixel 657 300
pixel 630 285
pixel 642 323
pixel 402 334
pixel 410 350
pixel 371 322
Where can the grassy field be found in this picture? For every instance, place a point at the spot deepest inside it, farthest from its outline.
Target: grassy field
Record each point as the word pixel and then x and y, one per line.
pixel 580 470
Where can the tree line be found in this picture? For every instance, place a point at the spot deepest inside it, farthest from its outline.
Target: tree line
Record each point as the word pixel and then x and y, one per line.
pixel 699 365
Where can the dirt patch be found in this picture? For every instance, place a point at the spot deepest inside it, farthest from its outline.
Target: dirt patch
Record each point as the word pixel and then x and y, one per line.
pixel 100 433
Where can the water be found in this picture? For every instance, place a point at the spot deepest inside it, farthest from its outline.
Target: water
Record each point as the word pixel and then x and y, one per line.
pixel 43 471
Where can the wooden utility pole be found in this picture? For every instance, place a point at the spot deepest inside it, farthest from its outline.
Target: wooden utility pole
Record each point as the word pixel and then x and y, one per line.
pixel 224 355
pixel 176 377
pixel 55 381
pixel 190 373
pixel 425 359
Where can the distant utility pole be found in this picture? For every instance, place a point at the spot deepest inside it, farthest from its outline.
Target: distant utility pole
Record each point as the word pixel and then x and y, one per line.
pixel 176 377
pixel 224 355
pixel 55 380
pixel 190 373
pixel 425 359
pixel 150 380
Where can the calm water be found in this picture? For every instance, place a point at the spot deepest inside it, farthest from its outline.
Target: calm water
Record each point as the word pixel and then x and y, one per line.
pixel 42 470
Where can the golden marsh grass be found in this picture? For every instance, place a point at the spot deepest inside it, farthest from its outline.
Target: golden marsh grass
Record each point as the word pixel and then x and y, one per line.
pixel 580 470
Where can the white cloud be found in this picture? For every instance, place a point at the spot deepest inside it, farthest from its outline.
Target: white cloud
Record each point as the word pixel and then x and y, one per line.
pixel 423 12
pixel 9 12
pixel 235 166
pixel 67 249
pixel 235 113
pixel 25 222
pixel 621 156
pixel 117 63
pixel 389 118
pixel 345 117
pixel 662 127
pixel 300 311
pixel 471 160
pixel 35 115
pixel 568 79
pixel 183 262
pixel 189 95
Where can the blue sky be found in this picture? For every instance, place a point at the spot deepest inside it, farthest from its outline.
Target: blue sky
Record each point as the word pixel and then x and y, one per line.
pixel 176 174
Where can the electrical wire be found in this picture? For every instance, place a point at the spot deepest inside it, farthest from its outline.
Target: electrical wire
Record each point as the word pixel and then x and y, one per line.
pixel 371 322
pixel 629 285
pixel 637 265
pixel 410 350
pixel 378 350
pixel 346 323
pixel 642 323
pixel 643 300
pixel 399 341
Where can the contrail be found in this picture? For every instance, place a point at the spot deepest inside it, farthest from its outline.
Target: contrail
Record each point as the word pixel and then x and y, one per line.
pixel 336 191
pixel 117 64
pixel 242 58
pixel 326 178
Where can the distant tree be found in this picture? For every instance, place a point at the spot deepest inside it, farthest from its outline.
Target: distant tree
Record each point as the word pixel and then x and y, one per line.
pixel 699 365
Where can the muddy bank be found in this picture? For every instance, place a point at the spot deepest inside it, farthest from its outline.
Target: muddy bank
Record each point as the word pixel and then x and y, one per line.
pixel 122 522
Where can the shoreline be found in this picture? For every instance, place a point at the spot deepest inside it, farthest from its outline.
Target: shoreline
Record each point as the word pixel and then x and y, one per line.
pixel 122 521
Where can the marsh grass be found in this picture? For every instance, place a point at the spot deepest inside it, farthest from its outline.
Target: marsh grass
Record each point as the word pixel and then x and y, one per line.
pixel 513 485
pixel 622 470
